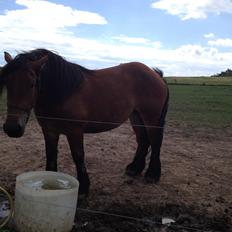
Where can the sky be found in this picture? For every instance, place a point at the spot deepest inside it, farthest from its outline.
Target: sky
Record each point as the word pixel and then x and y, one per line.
pixel 181 37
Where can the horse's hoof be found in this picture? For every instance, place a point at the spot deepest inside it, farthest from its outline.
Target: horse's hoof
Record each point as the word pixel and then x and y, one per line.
pixel 151 179
pixel 82 199
pixel 131 173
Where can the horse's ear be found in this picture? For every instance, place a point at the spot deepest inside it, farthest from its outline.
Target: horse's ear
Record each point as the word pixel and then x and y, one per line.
pixel 37 65
pixel 7 57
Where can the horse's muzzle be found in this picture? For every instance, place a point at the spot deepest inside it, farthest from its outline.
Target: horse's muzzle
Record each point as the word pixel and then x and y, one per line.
pixel 15 129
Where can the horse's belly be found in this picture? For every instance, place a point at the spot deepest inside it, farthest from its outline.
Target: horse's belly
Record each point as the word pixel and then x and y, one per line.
pixel 97 127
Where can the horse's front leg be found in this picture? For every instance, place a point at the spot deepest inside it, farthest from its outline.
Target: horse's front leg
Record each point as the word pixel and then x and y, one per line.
pixel 51 142
pixel 75 140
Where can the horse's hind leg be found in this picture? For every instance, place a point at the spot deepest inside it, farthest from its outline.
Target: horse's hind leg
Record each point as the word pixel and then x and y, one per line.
pixel 154 123
pixel 153 173
pixel 138 163
pixel 155 129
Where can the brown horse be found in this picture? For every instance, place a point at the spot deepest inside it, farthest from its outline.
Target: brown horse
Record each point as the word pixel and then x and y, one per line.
pixel 72 100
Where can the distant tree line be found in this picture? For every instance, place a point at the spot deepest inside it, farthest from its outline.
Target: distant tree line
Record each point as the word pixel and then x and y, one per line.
pixel 227 73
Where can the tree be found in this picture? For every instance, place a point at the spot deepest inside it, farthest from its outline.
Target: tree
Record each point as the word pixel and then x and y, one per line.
pixel 227 73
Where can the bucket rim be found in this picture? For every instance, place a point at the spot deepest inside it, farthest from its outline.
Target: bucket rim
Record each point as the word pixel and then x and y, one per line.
pixel 23 177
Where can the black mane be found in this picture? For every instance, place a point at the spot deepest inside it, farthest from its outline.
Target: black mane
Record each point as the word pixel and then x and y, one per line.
pixel 58 77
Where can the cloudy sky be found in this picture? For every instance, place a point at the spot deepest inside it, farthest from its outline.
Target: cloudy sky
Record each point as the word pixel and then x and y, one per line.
pixel 182 37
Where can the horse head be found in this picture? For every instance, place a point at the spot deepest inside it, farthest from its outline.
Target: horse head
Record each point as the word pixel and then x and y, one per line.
pixel 20 76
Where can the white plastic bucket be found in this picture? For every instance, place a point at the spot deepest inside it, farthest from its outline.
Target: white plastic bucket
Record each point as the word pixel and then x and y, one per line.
pixel 45 202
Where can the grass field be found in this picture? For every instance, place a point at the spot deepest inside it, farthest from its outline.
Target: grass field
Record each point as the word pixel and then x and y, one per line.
pixel 201 105
pixel 200 80
pixel 196 101
pixel 201 101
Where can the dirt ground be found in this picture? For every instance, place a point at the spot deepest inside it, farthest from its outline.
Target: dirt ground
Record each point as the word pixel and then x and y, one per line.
pixel 195 188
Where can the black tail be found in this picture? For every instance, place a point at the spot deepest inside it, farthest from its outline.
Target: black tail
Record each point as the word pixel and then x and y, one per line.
pixel 165 107
pixel 165 110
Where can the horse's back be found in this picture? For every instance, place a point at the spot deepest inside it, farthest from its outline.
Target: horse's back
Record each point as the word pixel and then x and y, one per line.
pixel 130 82
pixel 129 74
pixel 133 83
pixel 113 94
pixel 148 84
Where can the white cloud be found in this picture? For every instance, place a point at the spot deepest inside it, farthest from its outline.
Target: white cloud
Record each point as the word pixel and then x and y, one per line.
pixel 196 51
pixel 221 42
pixel 137 40
pixel 44 17
pixel 22 30
pixel 43 24
pixel 186 9
pixel 133 40
pixel 209 35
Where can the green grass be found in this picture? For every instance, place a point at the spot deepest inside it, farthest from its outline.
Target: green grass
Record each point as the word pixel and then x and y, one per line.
pixel 200 80
pixel 201 105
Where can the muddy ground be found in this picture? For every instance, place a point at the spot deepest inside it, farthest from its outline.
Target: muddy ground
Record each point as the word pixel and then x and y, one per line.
pixel 195 188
